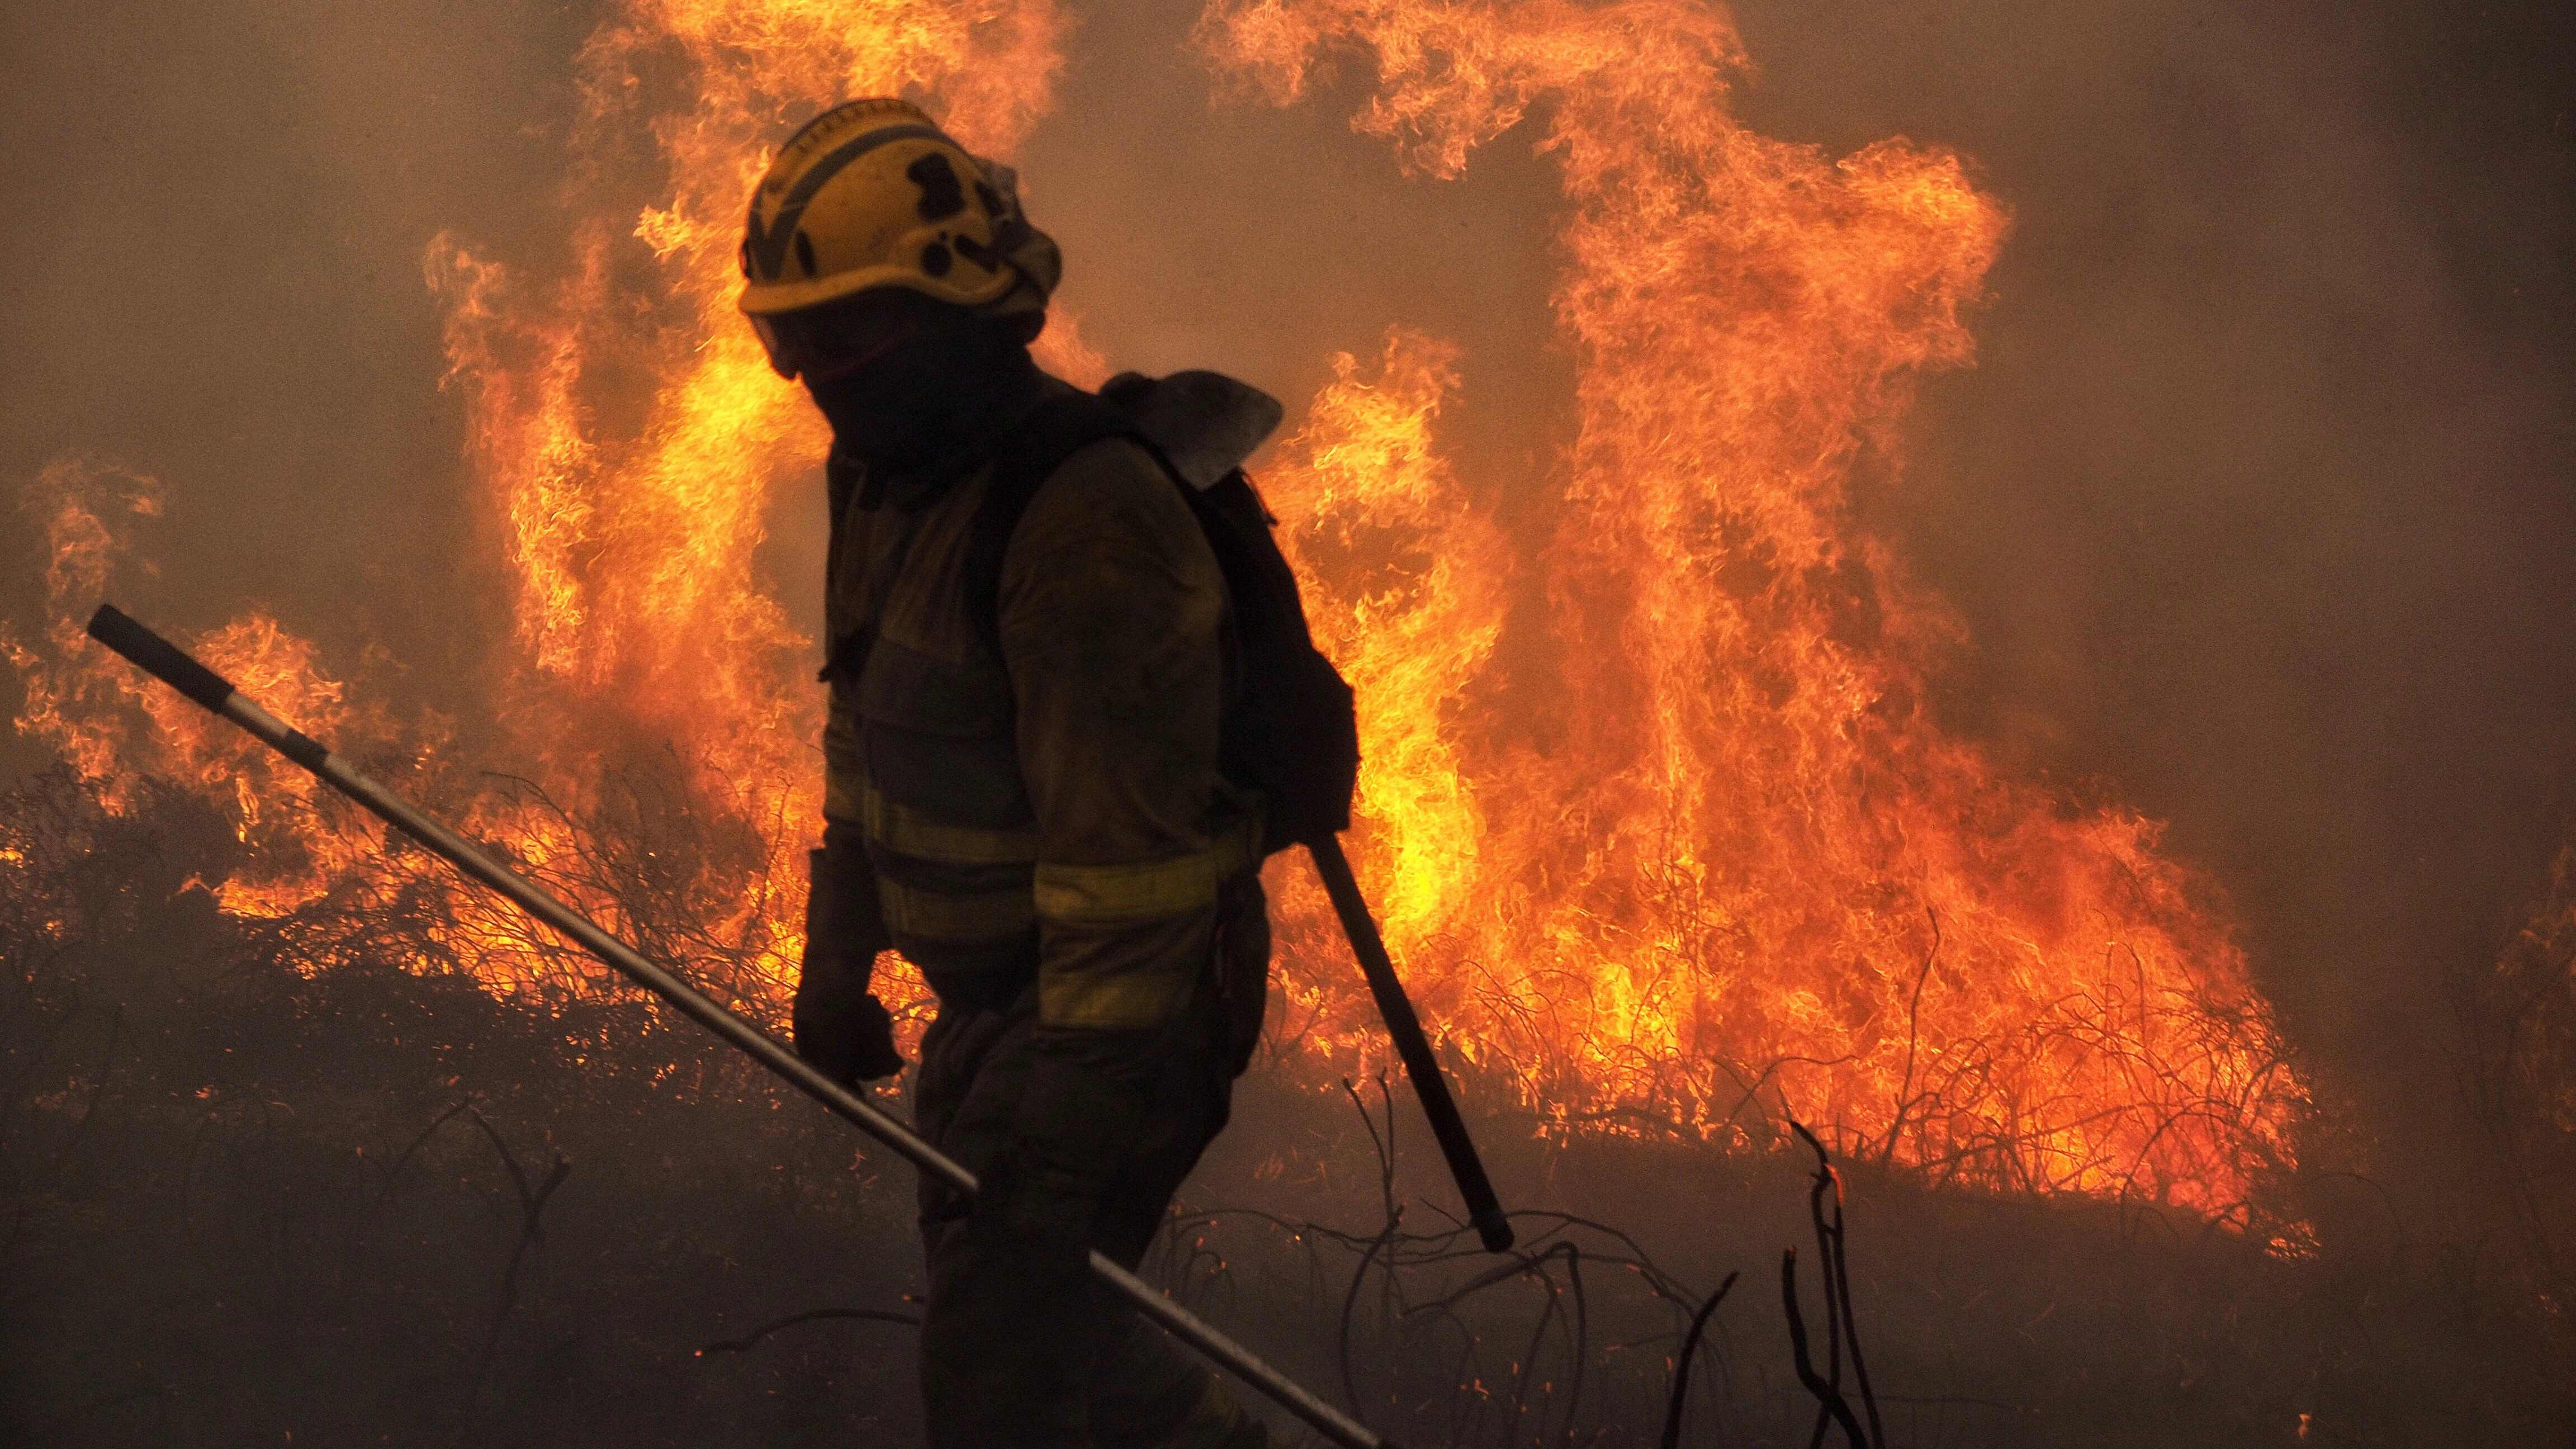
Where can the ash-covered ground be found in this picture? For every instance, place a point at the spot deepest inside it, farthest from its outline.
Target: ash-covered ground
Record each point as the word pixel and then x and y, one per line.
pixel 250 1205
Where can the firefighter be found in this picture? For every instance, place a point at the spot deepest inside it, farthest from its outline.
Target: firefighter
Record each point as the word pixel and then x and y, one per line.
pixel 1023 794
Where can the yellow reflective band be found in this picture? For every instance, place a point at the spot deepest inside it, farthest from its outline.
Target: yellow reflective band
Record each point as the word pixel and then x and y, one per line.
pixel 985 917
pixel 1117 895
pixel 907 831
pixel 1118 1001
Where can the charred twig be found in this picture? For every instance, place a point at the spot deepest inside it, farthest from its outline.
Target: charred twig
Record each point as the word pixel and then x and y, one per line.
pixel 1580 1350
pixel 1529 1361
pixel 1829 1400
pixel 1851 1328
pixel 393 1174
pixel 1682 1363
pixel 422 1140
pixel 1906 1096
pixel 1384 1147
pixel 1536 1400
pixel 750 1340
pixel 1535 1265
pixel 1520 1265
pixel 1840 1325
pixel 1182 1264
pixel 532 1204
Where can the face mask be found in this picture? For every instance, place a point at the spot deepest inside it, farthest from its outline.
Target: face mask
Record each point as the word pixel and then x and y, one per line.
pixel 927 400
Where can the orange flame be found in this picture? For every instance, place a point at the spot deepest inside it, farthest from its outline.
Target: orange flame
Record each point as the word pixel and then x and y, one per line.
pixel 1703 860
pixel 643 614
pixel 1736 866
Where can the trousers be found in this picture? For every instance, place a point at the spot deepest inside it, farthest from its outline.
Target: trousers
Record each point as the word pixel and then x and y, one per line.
pixel 1026 1349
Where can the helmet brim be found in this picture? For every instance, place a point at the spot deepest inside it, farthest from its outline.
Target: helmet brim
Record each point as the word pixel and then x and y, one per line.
pixel 769 299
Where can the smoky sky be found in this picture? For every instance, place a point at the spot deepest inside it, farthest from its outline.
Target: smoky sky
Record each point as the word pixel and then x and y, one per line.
pixel 2259 501
pixel 2257 504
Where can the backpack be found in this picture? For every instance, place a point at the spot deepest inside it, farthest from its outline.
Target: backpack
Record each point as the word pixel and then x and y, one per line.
pixel 1290 730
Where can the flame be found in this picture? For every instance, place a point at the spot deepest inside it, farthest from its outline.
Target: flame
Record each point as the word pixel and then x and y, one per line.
pixel 642 612
pixel 1415 606
pixel 1699 858
pixel 1732 865
pixel 78 708
pixel 79 501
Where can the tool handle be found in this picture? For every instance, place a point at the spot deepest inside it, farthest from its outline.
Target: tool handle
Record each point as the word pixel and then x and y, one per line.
pixel 1447 1127
pixel 159 657
pixel 165 661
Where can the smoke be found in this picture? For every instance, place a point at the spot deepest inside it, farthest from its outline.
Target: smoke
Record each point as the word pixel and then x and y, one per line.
pixel 2258 500
pixel 217 216
pixel 2256 503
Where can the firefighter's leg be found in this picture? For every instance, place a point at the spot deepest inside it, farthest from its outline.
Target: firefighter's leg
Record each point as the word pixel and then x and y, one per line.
pixel 1021 1346
pixel 1147 1391
pixel 1009 1334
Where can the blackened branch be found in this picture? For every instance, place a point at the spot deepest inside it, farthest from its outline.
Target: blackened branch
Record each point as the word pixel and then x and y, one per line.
pixel 1682 1363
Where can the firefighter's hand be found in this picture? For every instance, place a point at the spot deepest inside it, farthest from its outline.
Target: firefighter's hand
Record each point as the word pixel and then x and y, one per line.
pixel 843 1030
pixel 839 1027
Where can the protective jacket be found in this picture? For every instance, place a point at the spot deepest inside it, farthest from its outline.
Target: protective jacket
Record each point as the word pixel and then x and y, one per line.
pixel 1040 802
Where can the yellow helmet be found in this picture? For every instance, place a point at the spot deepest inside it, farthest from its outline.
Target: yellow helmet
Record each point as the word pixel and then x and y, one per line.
pixel 871 194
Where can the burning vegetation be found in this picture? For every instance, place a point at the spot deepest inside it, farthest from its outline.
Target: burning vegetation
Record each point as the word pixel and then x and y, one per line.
pixel 1666 836
pixel 1696 860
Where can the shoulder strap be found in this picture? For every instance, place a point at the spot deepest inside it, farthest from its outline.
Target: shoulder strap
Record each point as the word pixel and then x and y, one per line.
pixel 1054 430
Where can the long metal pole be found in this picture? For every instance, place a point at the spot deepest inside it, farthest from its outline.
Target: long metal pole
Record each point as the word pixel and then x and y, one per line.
pixel 175 667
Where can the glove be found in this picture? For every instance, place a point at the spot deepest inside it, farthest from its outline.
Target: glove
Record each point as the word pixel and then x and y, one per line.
pixel 847 1035
pixel 838 1025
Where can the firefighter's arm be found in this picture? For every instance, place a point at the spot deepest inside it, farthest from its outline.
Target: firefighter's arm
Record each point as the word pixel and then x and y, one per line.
pixel 838 1024
pixel 1111 615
